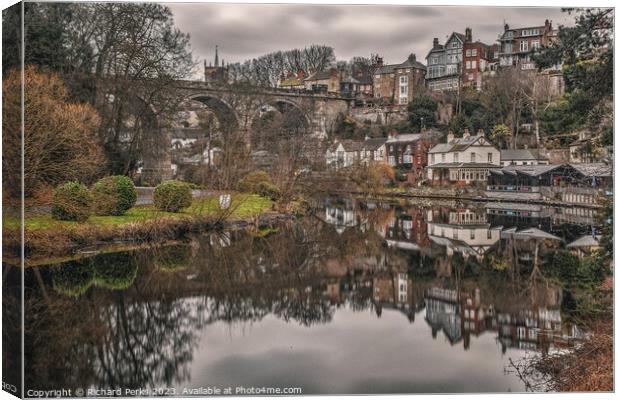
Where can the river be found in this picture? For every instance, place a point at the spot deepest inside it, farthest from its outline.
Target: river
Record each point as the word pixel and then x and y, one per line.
pixel 362 297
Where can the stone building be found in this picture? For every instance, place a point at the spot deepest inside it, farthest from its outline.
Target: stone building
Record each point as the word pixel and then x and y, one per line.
pixel 398 83
pixel 328 81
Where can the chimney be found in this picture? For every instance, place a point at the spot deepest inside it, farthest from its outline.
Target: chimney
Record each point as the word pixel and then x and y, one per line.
pixel 465 133
pixel 506 27
pixel 480 133
pixel 450 137
pixel 435 43
pixel 468 34
pixel 411 58
pixel 379 61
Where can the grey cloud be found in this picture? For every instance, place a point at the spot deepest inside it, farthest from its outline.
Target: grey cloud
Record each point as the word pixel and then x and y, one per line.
pixel 245 31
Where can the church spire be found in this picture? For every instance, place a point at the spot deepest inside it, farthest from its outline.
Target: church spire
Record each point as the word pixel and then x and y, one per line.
pixel 217 60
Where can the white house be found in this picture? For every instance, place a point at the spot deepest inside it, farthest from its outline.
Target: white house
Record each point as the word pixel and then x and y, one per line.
pixel 343 153
pixel 374 149
pixel 523 157
pixel 462 160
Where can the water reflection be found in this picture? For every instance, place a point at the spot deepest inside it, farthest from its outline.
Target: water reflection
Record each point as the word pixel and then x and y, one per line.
pixel 459 278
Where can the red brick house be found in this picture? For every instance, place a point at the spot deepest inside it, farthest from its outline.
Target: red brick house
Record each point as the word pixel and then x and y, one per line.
pixel 477 58
pixel 408 152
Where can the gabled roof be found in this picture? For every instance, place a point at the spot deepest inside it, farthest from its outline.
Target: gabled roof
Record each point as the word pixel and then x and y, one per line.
pixel 348 145
pixel 405 137
pixel 319 76
pixel 458 144
pixel 529 233
pixel 586 241
pixel 594 169
pixel 374 143
pixel 531 170
pixel 460 36
pixel 389 69
pixel 521 154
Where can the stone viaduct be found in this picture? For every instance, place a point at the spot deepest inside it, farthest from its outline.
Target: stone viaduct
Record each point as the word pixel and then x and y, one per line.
pixel 237 108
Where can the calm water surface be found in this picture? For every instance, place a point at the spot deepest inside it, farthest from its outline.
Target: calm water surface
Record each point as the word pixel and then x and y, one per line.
pixel 362 298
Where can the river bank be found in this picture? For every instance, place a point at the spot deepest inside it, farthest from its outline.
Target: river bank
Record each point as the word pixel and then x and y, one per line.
pixel 466 195
pixel 48 239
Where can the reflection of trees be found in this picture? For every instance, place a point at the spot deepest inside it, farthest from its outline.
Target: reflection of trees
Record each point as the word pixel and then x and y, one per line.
pixel 173 258
pixel 142 344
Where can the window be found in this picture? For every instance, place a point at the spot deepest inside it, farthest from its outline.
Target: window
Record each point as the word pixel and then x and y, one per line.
pixel 467 64
pixel 490 158
pixel 535 44
pixel 472 233
pixel 488 234
pixel 402 100
pixel 473 157
pixel 468 53
pixel 474 52
pixel 443 157
pixel 456 157
pixel 432 158
pixel 474 64
pixel 403 80
pixel 392 160
pixel 403 90
pixel 455 45
pixel 523 45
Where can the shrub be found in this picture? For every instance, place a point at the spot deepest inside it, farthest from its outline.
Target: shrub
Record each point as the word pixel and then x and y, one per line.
pixel 173 258
pixel 72 202
pixel 72 278
pixel 114 195
pixel 115 271
pixel 250 182
pixel 268 190
pixel 172 196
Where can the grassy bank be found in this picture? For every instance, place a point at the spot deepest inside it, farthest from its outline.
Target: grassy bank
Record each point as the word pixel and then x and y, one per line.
pixel 46 237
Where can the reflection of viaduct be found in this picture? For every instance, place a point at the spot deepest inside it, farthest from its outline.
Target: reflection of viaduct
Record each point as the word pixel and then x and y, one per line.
pixel 236 108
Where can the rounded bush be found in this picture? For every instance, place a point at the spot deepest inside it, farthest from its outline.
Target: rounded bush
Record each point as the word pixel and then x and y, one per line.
pixel 172 196
pixel 72 202
pixel 72 278
pixel 250 182
pixel 114 195
pixel 173 258
pixel 115 271
pixel 268 190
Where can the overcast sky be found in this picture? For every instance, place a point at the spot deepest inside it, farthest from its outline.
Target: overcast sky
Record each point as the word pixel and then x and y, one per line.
pixel 244 31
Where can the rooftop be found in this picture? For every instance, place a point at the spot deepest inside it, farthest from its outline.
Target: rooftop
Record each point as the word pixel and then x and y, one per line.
pixel 586 241
pixel 522 154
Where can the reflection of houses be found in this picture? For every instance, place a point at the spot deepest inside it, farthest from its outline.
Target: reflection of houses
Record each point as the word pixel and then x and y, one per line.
pixel 459 315
pixel 464 231
pixel 585 245
pixel 568 183
pixel 408 231
pixel 462 160
pixel 342 218
pixel 527 242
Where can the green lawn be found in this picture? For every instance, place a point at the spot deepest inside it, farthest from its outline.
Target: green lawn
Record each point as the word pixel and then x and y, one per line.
pixel 243 205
